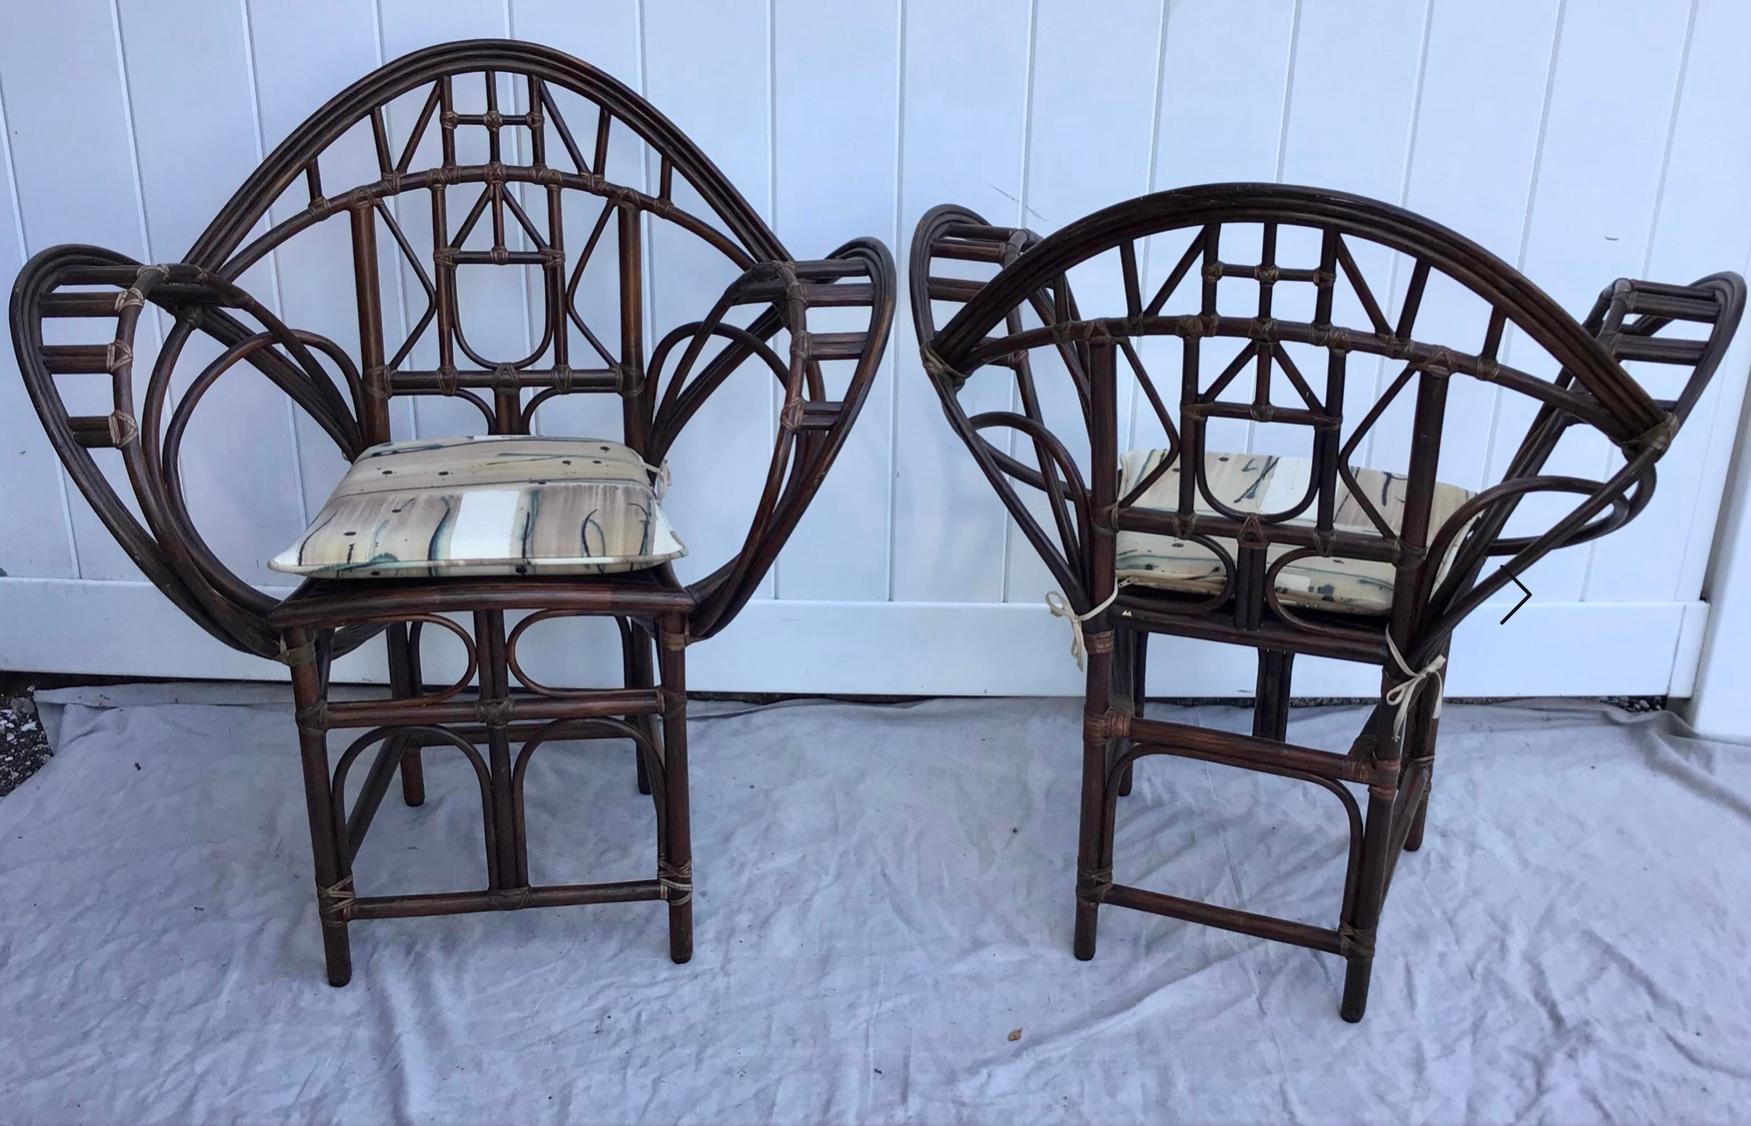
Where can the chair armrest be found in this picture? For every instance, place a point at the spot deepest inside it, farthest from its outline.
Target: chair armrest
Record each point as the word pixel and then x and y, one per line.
pixel 104 294
pixel 812 425
pixel 1630 316
pixel 1627 319
pixel 950 234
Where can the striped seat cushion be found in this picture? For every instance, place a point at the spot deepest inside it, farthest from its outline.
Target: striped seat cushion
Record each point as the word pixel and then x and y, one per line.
pixel 1266 483
pixel 495 505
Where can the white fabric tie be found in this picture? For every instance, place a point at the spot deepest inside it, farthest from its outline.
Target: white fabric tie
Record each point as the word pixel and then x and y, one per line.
pixel 661 472
pixel 1402 695
pixel 1060 607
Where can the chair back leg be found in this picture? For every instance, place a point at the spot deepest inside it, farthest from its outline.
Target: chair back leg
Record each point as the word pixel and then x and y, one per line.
pixel 640 670
pixel 675 864
pixel 1420 756
pixel 405 679
pixel 1132 650
pixel 1270 714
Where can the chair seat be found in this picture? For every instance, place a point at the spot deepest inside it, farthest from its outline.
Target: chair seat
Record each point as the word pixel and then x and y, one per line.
pixel 492 505
pixel 1267 483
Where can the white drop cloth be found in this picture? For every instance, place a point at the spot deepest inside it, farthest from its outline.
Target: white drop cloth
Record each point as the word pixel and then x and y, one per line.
pixel 884 894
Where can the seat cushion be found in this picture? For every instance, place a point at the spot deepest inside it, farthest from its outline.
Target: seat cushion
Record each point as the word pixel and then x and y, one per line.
pixel 1267 483
pixel 495 505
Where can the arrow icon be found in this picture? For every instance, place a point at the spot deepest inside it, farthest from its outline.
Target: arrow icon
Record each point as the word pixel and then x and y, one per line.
pixel 1515 579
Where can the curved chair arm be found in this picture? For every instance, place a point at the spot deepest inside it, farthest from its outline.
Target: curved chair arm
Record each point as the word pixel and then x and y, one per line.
pixel 1627 319
pixel 812 427
pixel 1717 301
pixel 86 286
pixel 956 234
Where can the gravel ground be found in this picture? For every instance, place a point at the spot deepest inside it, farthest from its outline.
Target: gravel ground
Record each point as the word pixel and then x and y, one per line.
pixel 23 747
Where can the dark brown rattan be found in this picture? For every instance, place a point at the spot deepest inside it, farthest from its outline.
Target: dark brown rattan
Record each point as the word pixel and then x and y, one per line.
pixel 1028 308
pixel 536 159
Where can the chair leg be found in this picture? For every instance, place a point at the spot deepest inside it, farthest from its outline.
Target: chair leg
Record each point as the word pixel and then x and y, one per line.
pixel 1138 658
pixel 506 847
pixel 404 681
pixel 1270 715
pixel 1364 922
pixel 1360 930
pixel 1413 840
pixel 376 784
pixel 635 650
pixel 413 778
pixel 643 772
pixel 1095 839
pixel 1425 751
pixel 1095 827
pixel 334 883
pixel 675 864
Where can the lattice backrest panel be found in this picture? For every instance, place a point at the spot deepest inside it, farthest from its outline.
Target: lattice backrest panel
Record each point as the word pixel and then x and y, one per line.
pixel 1262 319
pixel 493 215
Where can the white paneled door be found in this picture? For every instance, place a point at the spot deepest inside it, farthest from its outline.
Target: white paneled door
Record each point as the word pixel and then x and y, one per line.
pixel 1581 141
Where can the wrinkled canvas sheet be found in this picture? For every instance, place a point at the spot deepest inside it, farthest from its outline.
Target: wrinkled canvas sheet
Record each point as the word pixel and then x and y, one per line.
pixel 884 900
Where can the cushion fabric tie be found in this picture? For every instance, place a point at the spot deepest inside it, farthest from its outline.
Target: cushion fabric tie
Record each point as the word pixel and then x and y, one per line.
pixel 1403 694
pixel 1060 607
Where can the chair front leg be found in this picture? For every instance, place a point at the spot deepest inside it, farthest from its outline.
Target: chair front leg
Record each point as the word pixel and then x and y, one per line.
pixel 328 846
pixel 1094 850
pixel 1382 836
pixel 675 858
pixel 1359 931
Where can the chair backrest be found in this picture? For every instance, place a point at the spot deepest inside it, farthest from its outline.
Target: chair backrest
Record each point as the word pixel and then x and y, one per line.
pixel 478 177
pixel 493 204
pixel 1279 325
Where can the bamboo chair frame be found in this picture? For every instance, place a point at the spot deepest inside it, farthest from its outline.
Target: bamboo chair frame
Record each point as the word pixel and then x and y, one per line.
pixel 535 161
pixel 1393 757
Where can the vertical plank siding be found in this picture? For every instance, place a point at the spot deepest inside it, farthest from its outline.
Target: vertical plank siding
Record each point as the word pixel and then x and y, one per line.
pixel 1580 141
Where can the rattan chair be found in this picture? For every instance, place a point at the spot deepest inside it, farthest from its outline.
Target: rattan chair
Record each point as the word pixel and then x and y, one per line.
pixel 519 164
pixel 1274 311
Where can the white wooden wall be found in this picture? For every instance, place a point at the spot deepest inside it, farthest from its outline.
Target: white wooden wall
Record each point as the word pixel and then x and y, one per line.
pixel 1580 139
